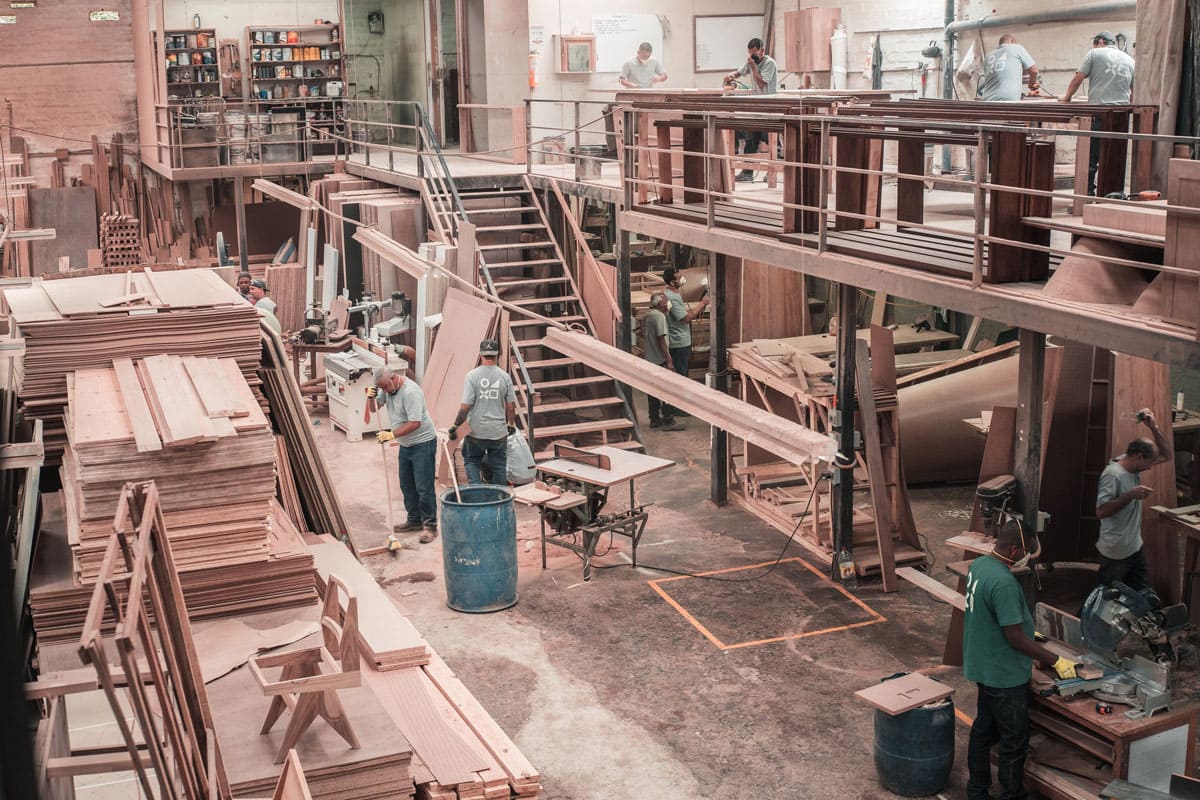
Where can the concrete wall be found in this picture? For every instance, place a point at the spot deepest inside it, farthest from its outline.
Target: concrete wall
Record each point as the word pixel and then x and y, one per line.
pixel 231 18
pixel 908 26
pixel 568 17
pixel 69 77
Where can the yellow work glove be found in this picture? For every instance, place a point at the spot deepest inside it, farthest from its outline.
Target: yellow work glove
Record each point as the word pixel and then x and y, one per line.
pixel 384 436
pixel 372 391
pixel 1064 668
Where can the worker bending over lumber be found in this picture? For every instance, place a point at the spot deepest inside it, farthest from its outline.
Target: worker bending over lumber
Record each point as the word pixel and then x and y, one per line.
pixel 413 430
pixel 1003 70
pixel 1119 499
pixel 643 70
pixel 490 405
pixel 998 651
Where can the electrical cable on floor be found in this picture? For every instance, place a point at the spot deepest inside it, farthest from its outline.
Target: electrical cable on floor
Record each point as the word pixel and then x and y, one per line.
pixel 751 579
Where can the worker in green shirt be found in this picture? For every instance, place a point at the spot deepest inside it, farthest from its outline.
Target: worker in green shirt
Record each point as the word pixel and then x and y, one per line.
pixel 998 652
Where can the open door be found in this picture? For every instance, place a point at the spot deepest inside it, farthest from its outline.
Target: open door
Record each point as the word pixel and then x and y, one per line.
pixel 443 69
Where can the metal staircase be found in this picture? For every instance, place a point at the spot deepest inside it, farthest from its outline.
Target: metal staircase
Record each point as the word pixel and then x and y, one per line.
pixel 520 261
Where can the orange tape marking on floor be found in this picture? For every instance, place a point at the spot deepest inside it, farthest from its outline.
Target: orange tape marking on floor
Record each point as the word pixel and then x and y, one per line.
pixel 683 612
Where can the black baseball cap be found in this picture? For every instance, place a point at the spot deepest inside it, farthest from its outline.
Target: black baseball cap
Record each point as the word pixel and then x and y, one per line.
pixel 258 283
pixel 1104 36
pixel 489 347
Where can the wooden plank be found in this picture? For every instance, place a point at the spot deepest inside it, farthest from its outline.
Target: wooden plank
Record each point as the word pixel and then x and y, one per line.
pixel 910 192
pixel 404 695
pixel 935 588
pixel 133 398
pixel 880 501
pixel 387 637
pixel 1181 299
pixel 1009 168
pixel 518 768
pixel 580 456
pixel 208 379
pixel 905 693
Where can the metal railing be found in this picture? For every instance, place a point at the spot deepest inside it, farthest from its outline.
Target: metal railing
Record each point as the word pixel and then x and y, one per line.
pixel 580 134
pixel 708 193
pixel 213 132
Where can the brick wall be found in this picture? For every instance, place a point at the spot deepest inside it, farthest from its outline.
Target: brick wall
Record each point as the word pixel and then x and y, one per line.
pixel 68 76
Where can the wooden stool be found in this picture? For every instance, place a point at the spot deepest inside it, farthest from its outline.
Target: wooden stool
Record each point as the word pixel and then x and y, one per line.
pixel 310 678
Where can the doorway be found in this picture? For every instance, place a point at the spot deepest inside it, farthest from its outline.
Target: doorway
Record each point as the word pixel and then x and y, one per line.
pixel 444 69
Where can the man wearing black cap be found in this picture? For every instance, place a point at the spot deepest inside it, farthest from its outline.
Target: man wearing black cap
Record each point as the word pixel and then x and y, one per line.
pixel 490 405
pixel 679 321
pixel 1109 74
pixel 264 305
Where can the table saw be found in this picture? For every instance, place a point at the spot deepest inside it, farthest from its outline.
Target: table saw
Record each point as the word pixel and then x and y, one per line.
pixel 572 495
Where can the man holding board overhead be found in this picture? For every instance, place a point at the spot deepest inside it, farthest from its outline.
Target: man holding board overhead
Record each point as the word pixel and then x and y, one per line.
pixel 643 70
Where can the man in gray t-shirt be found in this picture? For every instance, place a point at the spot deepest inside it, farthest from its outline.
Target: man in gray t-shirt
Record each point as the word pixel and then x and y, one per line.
pixel 1003 70
pixel 413 430
pixel 643 70
pixel 763 74
pixel 657 350
pixel 1119 499
pixel 1109 73
pixel 489 404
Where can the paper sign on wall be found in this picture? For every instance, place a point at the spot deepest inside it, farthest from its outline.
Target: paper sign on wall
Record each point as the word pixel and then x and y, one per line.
pixel 618 37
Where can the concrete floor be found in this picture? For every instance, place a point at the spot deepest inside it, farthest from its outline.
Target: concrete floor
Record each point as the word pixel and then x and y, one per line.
pixel 612 693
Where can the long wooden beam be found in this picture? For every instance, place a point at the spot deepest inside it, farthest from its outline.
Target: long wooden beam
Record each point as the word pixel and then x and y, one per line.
pixel 1014 304
pixel 786 439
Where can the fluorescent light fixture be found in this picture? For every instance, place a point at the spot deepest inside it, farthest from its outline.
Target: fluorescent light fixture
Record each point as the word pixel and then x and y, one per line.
pixel 284 195
pixel 8 19
pixel 23 4
pixel 104 16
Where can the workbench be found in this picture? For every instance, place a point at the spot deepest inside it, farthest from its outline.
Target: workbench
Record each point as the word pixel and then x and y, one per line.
pixel 578 492
pixel 1144 751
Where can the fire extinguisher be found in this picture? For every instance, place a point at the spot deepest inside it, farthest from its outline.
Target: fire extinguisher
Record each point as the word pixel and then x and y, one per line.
pixel 533 70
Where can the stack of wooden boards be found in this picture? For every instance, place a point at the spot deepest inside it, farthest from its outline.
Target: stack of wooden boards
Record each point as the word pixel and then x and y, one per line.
pixel 82 323
pixel 284 579
pixel 194 427
pixel 460 753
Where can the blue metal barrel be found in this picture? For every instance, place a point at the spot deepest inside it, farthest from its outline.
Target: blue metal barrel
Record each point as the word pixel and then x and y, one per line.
pixel 914 751
pixel 479 548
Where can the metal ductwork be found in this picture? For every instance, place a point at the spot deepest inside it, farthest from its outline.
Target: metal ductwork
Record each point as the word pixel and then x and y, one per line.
pixel 1069 14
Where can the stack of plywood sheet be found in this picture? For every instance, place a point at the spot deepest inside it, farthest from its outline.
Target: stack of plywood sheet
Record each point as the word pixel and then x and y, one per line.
pixel 82 323
pixel 399 218
pixel 381 769
pixel 460 751
pixel 194 427
pixel 284 579
pixel 286 284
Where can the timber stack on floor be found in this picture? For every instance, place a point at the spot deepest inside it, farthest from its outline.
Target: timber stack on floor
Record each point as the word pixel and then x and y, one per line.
pixel 82 323
pixel 195 428
pixel 460 753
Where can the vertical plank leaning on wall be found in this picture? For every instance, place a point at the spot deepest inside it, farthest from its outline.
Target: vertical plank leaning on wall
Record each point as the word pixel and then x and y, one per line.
pixel 1139 383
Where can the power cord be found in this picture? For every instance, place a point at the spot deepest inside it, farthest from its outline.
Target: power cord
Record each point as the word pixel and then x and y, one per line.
pixel 769 570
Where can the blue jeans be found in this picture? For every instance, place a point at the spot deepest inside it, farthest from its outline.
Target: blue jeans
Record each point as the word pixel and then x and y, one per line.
pixel 1002 715
pixel 418 469
pixel 486 456
pixel 680 356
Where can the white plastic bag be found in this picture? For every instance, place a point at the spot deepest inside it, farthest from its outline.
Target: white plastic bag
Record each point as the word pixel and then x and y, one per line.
pixel 521 466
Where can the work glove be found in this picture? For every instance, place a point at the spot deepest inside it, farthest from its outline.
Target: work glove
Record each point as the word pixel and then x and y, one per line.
pixel 372 391
pixel 452 434
pixel 384 436
pixel 1064 668
pixel 512 429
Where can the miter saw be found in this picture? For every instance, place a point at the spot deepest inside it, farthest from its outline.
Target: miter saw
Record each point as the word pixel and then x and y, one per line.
pixel 1110 615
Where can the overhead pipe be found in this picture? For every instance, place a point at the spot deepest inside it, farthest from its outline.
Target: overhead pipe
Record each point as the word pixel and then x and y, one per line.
pixel 1070 14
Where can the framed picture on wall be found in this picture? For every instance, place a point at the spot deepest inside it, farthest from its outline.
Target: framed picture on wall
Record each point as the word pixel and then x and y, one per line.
pixel 577 54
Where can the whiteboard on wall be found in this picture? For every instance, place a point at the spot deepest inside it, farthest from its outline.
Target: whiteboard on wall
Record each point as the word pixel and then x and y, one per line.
pixel 618 37
pixel 721 40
